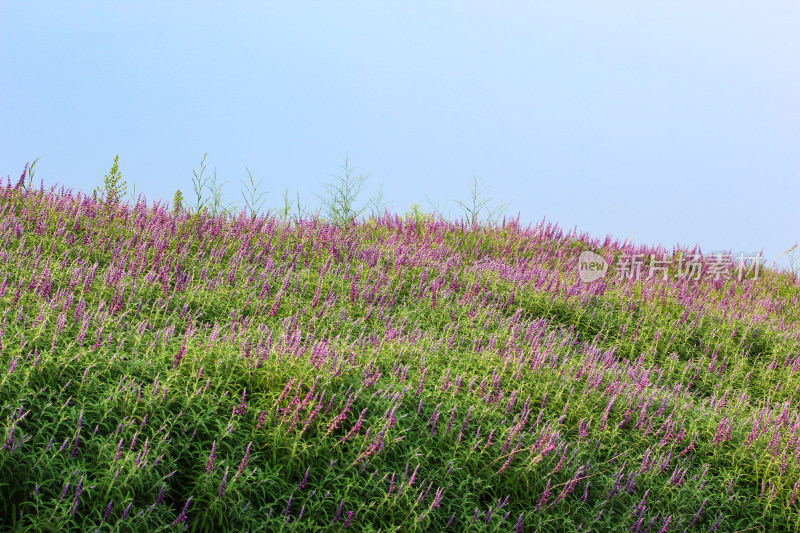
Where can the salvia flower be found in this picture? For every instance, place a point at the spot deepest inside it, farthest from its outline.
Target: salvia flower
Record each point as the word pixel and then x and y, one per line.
pixel 107 511
pixel 338 513
pixel 793 497
pixel 182 516
pixel 437 499
pixel 222 484
pixel 64 492
pixel 243 464
pixel 287 512
pixel 159 498
pixel 77 435
pixel 305 479
pixel 544 497
pixel 210 462
pixel 242 407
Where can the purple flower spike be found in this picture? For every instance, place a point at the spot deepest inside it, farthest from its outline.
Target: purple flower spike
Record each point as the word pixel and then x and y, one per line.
pixel 243 464
pixel 338 513
pixel 182 516
pixel 221 490
pixel 107 511
pixel 210 462
pixel 305 479
pixel 21 180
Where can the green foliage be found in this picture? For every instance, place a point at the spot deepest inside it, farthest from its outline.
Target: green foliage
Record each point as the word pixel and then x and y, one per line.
pixel 376 205
pixel 199 185
pixel 417 215
pixel 31 170
pixel 476 210
pixel 288 205
pixel 794 262
pixel 177 201
pixel 113 188
pixel 339 205
pixel 216 206
pixel 251 204
pixel 212 204
pixel 118 404
pixel 133 195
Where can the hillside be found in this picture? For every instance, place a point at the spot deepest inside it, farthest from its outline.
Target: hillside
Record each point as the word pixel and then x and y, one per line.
pixel 163 369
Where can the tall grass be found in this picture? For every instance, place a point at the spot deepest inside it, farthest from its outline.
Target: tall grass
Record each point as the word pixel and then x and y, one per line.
pixel 194 368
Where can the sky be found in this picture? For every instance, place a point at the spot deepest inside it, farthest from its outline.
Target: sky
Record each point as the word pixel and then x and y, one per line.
pixel 663 122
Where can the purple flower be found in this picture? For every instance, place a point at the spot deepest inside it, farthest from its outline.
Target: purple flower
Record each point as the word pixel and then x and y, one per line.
pixel 697 515
pixel 10 441
pixel 76 498
pixel 665 526
pixel 22 177
pixel 338 513
pixel 452 419
pixel 210 462
pixel 77 435
pixel 13 364
pixel 544 497
pixel 793 497
pixel 413 477
pixel 288 511
pixel 107 511
pixel 583 429
pixel 182 516
pixel 159 498
pixel 221 490
pixel 243 464
pixel 262 416
pixel 242 407
pixel 119 451
pixel 437 499
pixel 305 479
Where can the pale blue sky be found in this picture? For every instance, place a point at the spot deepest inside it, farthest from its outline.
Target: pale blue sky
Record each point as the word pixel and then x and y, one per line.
pixel 679 121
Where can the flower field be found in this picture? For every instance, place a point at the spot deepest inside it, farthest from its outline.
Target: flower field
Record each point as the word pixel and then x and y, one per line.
pixel 162 370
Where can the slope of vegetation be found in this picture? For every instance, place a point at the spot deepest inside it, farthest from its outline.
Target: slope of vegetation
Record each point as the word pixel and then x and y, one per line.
pixel 166 369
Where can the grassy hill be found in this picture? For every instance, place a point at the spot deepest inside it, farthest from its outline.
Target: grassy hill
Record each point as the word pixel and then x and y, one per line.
pixel 164 369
